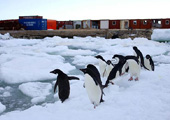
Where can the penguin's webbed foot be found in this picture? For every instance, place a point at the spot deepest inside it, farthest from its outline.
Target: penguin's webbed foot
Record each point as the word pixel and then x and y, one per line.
pixel 131 78
pixel 136 79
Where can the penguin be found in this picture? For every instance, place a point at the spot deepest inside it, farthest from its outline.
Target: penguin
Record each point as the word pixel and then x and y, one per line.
pixel 121 59
pixel 148 62
pixel 63 84
pixel 109 67
pixel 134 67
pixel 139 55
pixel 93 86
pixel 102 65
pixel 97 74
pixel 114 73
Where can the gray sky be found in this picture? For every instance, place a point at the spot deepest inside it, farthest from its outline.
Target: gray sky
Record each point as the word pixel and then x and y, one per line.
pixel 85 9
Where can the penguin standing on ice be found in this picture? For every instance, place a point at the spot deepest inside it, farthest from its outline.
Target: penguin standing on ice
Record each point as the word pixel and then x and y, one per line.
pixel 134 67
pixel 139 55
pixel 148 62
pixel 102 65
pixel 93 86
pixel 63 84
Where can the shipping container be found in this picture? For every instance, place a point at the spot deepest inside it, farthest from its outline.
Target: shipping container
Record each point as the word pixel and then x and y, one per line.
pixel 68 24
pixel 10 25
pixel 77 24
pixel 34 24
pixel 61 25
pixel 51 24
pixel 104 24
pixel 114 24
pixel 31 17
pixel 96 24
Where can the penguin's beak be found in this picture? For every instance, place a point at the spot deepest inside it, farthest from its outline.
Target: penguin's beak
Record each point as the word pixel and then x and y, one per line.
pixel 52 72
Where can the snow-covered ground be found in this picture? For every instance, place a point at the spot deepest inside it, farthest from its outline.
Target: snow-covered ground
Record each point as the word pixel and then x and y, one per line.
pixel 26 86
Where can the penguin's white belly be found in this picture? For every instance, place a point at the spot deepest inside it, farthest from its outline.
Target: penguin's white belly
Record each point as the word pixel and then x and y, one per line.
pixel 108 69
pixel 147 64
pixel 134 68
pixel 94 91
pixel 102 66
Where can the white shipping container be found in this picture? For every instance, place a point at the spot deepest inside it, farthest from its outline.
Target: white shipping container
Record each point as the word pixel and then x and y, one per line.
pixel 104 24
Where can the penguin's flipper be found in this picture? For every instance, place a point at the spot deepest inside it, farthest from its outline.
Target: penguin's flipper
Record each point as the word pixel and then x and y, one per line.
pixel 55 86
pixel 73 78
pixel 152 64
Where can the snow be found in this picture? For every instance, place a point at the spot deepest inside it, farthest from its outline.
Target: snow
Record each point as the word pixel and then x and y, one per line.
pixel 35 89
pixel 2 107
pixel 161 35
pixel 28 63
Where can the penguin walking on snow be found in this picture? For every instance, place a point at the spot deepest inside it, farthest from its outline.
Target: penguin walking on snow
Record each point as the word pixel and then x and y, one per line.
pixel 63 84
pixel 102 65
pixel 134 67
pixel 108 68
pixel 148 62
pixel 93 86
pixel 114 73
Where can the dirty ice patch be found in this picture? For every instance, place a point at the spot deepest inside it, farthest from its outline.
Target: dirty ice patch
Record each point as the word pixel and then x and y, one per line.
pixel 35 89
pixel 84 60
pixel 2 107
pixel 161 35
pixel 23 68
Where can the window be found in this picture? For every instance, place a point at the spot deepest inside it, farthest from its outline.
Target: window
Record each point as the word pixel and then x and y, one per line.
pixel 159 21
pixel 145 22
pixel 114 23
pixel 167 22
pixel 135 22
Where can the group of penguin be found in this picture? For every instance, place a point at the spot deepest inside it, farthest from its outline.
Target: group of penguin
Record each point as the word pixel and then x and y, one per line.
pixel 110 70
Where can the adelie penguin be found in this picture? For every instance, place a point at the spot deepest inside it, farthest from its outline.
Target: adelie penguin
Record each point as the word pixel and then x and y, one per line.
pixel 117 69
pixel 148 62
pixel 139 55
pixel 102 65
pixel 63 84
pixel 134 67
pixel 93 86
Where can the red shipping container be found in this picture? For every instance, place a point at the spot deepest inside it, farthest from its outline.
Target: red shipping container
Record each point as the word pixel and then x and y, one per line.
pixel 51 24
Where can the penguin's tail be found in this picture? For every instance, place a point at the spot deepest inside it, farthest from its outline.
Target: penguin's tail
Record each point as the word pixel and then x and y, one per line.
pixel 73 78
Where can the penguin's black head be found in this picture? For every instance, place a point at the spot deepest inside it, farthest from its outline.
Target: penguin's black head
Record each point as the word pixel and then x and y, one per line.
pixel 56 71
pixel 84 70
pixel 99 57
pixel 135 48
pixel 148 56
pixel 109 62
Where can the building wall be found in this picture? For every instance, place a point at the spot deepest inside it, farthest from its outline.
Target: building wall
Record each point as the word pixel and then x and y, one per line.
pixel 165 23
pixel 132 24
pixel 114 24
pixel 104 24
pixel 146 24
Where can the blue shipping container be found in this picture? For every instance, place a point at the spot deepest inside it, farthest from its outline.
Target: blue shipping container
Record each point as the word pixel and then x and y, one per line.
pixel 34 24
